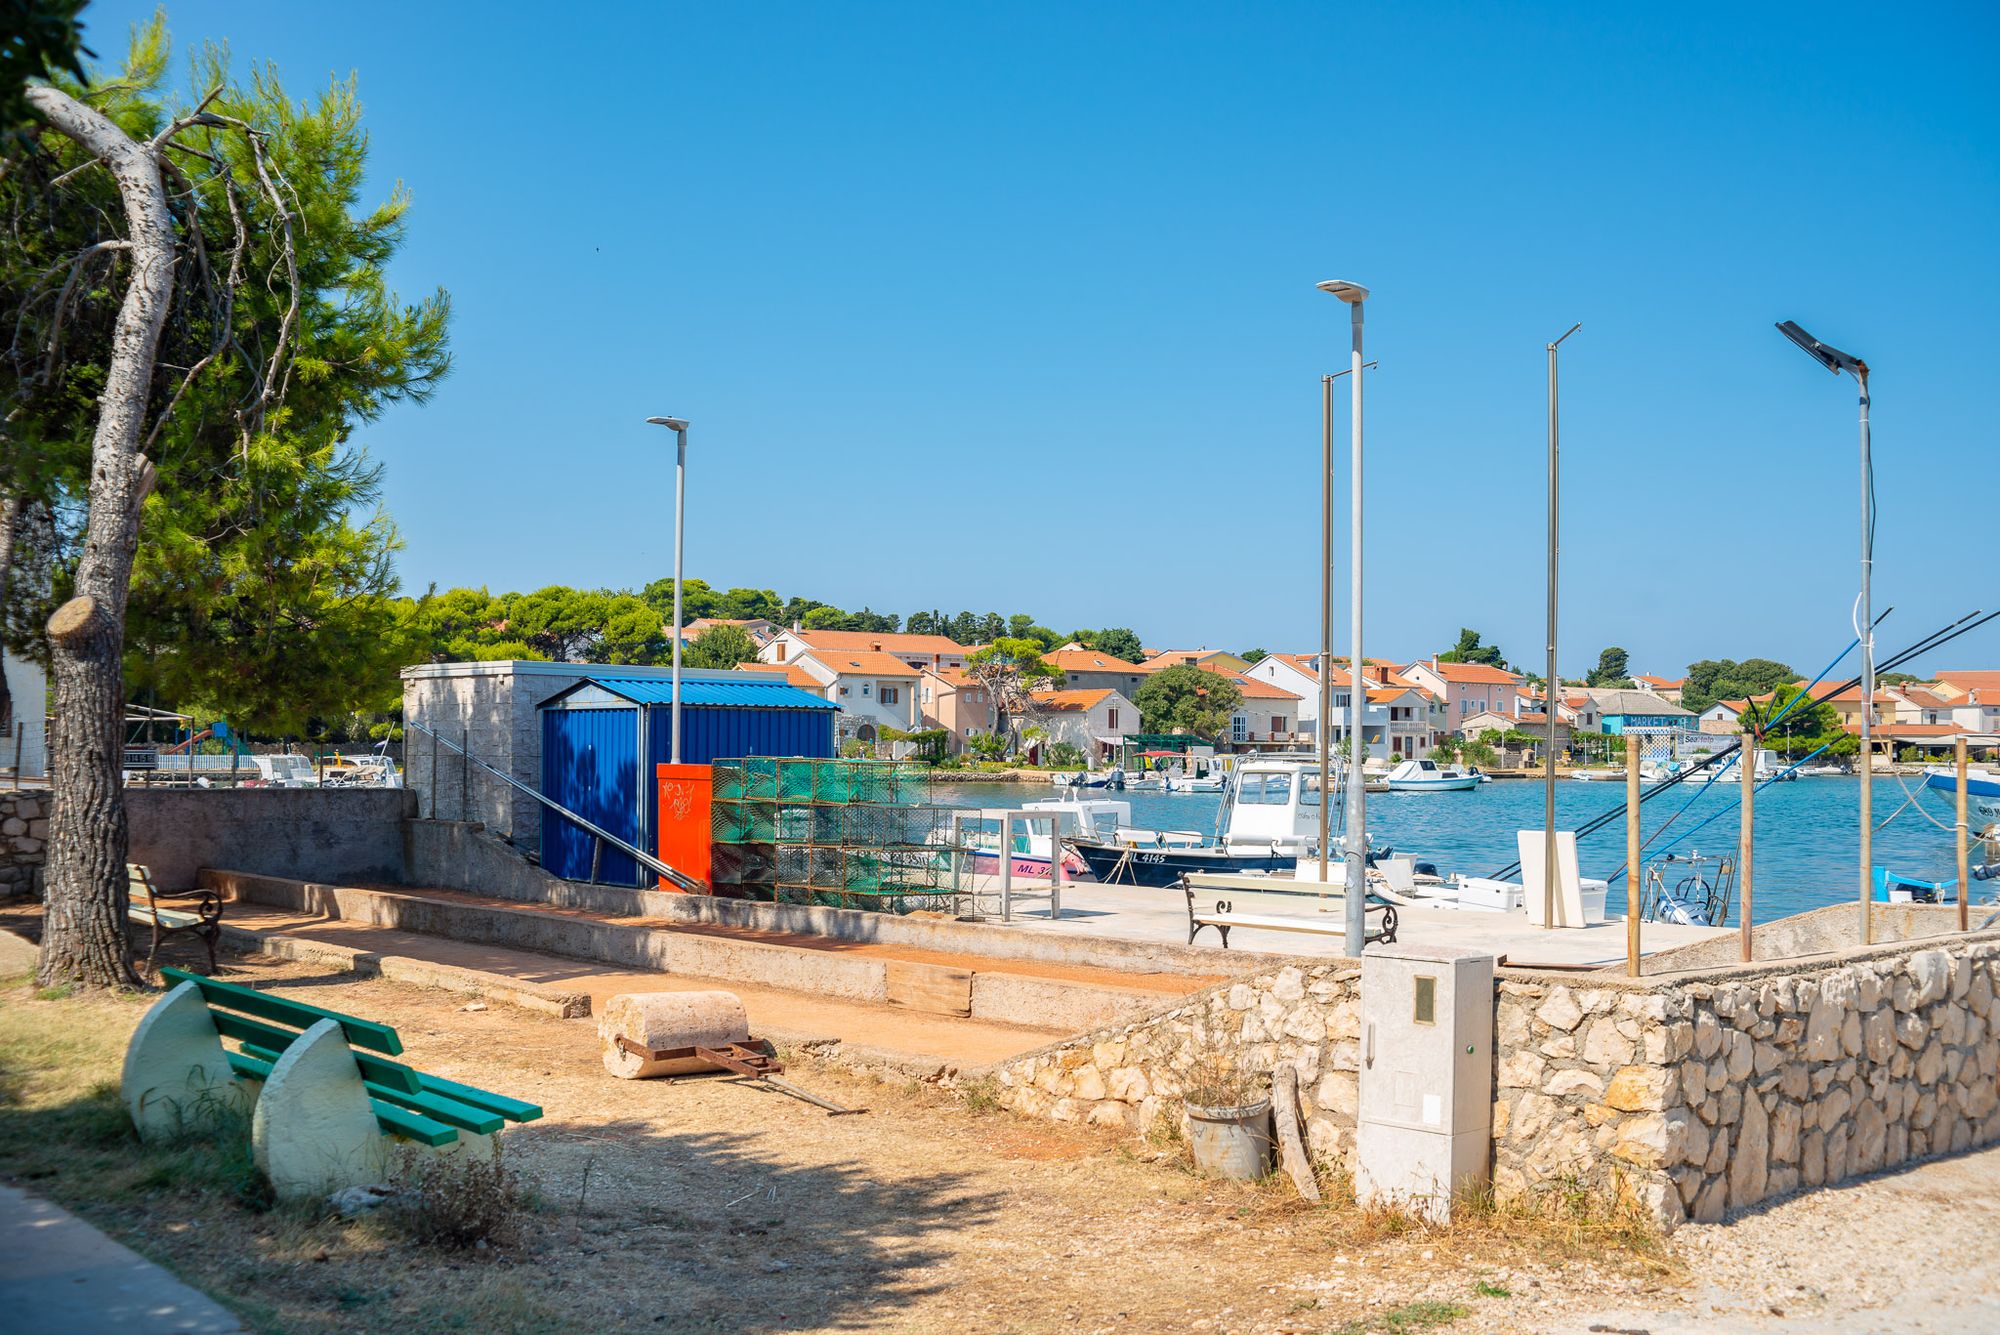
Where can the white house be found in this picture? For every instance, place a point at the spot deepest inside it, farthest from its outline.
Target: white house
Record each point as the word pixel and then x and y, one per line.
pixel 1297 674
pixel 23 721
pixel 1095 722
pixel 874 690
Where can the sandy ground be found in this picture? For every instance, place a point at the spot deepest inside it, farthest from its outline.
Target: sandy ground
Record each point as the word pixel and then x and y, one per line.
pixel 709 1205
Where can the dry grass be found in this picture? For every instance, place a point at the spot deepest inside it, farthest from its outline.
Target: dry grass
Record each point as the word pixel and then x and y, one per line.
pixel 711 1205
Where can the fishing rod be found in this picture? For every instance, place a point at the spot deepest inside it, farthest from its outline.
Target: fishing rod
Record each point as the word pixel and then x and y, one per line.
pixel 1937 639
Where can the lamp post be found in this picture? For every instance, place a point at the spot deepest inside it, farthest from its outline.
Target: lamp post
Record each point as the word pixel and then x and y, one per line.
pixel 679 426
pixel 1354 895
pixel 1549 686
pixel 1326 613
pixel 1836 361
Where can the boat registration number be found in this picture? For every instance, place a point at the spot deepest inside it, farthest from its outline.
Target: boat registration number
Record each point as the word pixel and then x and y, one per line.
pixel 1154 858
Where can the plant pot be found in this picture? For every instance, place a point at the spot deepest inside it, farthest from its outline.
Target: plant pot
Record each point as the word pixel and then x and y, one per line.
pixel 1233 1143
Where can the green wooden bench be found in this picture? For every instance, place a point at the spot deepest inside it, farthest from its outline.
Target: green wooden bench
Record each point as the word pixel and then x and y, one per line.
pixel 204 919
pixel 407 1102
pixel 321 1086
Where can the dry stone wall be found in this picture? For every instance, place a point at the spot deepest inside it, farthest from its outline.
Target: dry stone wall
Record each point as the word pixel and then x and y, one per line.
pixel 1688 1096
pixel 24 837
pixel 1307 1015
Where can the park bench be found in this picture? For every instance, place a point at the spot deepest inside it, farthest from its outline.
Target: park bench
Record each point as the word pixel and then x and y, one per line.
pixel 204 919
pixel 1379 916
pixel 327 1104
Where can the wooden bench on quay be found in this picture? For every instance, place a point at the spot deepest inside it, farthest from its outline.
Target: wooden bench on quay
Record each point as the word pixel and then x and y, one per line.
pixel 1378 915
pixel 328 1108
pixel 204 919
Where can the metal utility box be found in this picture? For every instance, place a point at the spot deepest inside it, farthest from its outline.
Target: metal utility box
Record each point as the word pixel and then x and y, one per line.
pixel 1426 1097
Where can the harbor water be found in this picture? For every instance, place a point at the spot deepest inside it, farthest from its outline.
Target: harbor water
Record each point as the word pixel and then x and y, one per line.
pixel 1807 830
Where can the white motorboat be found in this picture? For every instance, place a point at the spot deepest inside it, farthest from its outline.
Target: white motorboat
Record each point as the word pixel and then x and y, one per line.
pixel 1597 775
pixel 1821 772
pixel 1427 776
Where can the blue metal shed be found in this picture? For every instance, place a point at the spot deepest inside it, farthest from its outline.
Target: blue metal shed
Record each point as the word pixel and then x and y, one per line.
pixel 595 734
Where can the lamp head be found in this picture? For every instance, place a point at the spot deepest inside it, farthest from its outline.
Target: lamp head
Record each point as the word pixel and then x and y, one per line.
pixel 1352 293
pixel 671 423
pixel 1832 358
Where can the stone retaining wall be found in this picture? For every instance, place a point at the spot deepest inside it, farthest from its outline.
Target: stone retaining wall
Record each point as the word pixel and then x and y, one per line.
pixel 1305 1014
pixel 24 837
pixel 1687 1096
pixel 1754 1086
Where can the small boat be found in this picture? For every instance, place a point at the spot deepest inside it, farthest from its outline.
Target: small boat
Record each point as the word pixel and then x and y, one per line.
pixel 1597 775
pixel 1426 776
pixel 1821 772
pixel 1982 787
pixel 1269 820
pixel 1206 783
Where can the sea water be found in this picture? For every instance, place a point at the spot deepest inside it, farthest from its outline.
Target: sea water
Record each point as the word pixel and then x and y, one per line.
pixel 1808 830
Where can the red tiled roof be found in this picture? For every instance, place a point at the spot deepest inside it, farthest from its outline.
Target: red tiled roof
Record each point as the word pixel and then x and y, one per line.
pixel 791 672
pixel 1068 701
pixel 1664 683
pixel 854 641
pixel 1089 660
pixel 1470 673
pixel 863 664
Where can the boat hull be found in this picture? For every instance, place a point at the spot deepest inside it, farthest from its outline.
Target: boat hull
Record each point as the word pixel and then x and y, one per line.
pixel 1462 785
pixel 1119 864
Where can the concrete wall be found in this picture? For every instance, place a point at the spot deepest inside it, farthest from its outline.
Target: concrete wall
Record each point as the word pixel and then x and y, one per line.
pixel 24 836
pixel 352 834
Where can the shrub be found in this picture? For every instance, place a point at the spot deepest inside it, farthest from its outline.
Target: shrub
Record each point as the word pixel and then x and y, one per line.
pixel 457 1200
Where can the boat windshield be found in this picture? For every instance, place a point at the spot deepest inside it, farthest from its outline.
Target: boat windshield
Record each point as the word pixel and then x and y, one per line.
pixel 1265 790
pixel 1309 790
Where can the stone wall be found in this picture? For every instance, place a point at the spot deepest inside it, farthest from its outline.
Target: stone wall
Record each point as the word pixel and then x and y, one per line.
pixel 24 835
pixel 1688 1096
pixel 1306 1014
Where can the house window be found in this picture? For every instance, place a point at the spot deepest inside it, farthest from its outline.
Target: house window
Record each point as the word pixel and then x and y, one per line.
pixel 892 695
pixel 864 688
pixel 844 690
pixel 1277 724
pixel 1110 718
pixel 1239 728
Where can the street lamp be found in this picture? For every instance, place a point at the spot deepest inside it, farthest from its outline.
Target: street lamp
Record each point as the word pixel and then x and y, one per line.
pixel 1549 686
pixel 679 426
pixel 1836 361
pixel 1355 894
pixel 1326 611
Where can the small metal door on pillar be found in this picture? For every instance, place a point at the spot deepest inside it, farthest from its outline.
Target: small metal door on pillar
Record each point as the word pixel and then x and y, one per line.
pixel 1426 1083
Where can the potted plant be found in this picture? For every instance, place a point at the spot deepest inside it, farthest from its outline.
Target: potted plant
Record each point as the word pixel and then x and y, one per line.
pixel 1229 1119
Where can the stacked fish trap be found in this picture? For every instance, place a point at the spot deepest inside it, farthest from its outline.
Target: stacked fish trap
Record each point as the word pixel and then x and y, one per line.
pixel 843 833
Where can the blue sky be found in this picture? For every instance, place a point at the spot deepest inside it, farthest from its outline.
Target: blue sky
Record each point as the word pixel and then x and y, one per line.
pixel 1012 307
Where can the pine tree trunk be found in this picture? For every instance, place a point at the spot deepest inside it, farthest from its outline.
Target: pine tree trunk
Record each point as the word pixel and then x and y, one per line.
pixel 83 936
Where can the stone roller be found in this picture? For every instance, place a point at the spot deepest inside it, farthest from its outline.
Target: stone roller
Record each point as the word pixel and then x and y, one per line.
pixel 668 1020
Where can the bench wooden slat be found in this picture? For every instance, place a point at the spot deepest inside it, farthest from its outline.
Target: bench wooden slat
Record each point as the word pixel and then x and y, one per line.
pixel 250 1068
pixel 514 1110
pixel 449 1111
pixel 360 1033
pixel 178 918
pixel 267 1042
pixel 412 1125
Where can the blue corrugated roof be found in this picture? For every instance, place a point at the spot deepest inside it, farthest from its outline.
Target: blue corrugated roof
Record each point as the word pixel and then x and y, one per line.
pixel 750 692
